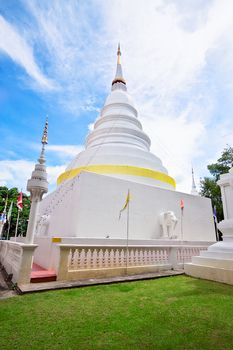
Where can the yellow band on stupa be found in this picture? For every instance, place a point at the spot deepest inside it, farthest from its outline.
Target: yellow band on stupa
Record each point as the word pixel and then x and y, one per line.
pixel 117 169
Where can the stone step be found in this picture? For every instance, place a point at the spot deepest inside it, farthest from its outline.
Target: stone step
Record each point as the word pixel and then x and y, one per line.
pixel 213 262
pixel 212 273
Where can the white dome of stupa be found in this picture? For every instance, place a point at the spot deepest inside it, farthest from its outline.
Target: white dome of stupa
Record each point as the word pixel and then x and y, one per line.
pixel 118 147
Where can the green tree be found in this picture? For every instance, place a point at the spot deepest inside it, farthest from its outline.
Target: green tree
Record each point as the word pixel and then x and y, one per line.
pixel 12 195
pixel 209 187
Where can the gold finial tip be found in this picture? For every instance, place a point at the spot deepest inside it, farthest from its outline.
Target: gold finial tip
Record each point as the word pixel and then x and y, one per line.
pixel 119 50
pixel 119 54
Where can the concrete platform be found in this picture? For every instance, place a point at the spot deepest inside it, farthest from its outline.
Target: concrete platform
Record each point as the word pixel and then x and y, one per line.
pixel 39 287
pixel 215 272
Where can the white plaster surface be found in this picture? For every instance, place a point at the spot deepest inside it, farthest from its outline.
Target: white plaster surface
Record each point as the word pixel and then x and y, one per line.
pixel 90 206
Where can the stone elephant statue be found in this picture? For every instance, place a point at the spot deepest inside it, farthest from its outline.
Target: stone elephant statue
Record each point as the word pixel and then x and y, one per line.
pixel 42 226
pixel 168 221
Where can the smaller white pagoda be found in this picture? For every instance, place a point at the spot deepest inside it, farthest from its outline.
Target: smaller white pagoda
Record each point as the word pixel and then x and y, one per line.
pixel 217 262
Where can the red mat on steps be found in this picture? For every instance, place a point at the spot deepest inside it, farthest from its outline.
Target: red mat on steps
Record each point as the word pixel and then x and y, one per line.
pixel 39 274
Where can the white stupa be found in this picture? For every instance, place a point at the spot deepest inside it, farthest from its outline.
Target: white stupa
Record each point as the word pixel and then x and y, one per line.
pixel 118 146
pixel 117 159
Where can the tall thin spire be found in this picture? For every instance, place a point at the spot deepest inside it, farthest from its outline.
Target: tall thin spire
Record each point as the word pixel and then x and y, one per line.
pixel 37 185
pixel 119 75
pixel 44 142
pixel 119 54
pixel 194 188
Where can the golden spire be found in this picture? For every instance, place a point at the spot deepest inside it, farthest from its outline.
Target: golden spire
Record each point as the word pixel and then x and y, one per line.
pixel 44 140
pixel 119 54
pixel 119 76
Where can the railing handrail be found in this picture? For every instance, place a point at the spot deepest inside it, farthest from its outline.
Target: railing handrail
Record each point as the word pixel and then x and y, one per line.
pixel 19 244
pixel 63 245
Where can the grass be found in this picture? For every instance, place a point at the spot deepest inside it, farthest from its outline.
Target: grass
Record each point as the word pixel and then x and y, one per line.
pixel 169 313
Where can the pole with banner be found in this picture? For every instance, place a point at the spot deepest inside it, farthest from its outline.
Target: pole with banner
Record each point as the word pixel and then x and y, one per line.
pixel 126 206
pixel 3 217
pixel 181 227
pixel 20 207
pixel 9 219
pixel 216 223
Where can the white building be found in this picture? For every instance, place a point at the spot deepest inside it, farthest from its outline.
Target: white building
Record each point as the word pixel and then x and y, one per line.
pixel 81 228
pixel 116 158
pixel 85 207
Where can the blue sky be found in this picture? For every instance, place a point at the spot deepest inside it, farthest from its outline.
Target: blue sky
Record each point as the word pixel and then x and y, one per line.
pixel 58 58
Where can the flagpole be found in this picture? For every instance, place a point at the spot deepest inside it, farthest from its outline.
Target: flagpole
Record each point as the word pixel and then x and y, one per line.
pixel 181 224
pixel 216 224
pixel 9 219
pixel 181 228
pixel 3 219
pixel 127 237
pixel 17 223
pixel 8 229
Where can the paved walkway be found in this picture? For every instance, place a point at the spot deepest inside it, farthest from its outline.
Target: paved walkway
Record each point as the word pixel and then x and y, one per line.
pixel 5 291
pixel 45 286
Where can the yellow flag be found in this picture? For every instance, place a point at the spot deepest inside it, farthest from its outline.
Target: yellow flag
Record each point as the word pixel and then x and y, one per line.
pixel 126 204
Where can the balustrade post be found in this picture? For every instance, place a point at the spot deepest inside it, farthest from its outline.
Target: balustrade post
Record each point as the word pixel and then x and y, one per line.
pixel 62 273
pixel 24 272
pixel 173 257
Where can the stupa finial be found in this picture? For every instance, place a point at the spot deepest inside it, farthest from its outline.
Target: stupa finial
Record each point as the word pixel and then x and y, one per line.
pixel 194 189
pixel 119 54
pixel 44 139
pixel 119 75
pixel 44 142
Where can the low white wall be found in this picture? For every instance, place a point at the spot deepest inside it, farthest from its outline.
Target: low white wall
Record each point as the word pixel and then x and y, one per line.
pixel 17 260
pixel 94 261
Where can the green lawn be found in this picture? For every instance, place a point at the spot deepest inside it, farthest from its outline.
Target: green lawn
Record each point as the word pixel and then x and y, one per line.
pixel 168 313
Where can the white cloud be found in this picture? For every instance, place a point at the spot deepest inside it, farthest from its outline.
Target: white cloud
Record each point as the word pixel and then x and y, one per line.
pixel 53 173
pixel 15 46
pixel 173 64
pixel 15 173
pixel 65 152
pixel 72 45
pixel 177 60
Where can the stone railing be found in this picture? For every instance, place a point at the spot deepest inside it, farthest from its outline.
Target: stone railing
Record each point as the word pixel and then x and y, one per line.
pixel 17 258
pixel 185 254
pixel 87 261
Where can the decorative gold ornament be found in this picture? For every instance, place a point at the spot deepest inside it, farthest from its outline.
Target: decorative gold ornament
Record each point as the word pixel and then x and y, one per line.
pixel 44 140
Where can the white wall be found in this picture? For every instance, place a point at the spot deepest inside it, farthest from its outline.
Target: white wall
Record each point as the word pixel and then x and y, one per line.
pixel 91 209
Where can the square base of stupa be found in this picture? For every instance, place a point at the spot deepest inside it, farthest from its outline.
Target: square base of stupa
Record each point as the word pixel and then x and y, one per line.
pixel 86 212
pixel 90 208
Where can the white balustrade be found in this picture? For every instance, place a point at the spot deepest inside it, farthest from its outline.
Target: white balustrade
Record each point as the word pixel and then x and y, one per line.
pixel 82 261
pixel 16 258
pixel 109 257
pixel 185 253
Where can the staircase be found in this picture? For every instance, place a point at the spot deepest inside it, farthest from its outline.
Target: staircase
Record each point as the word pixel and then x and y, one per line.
pixel 39 274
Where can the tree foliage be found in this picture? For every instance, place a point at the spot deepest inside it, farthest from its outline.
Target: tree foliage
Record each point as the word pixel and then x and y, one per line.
pixel 12 195
pixel 209 187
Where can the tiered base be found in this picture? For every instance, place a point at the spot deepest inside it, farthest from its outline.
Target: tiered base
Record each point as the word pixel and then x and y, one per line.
pixel 216 264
